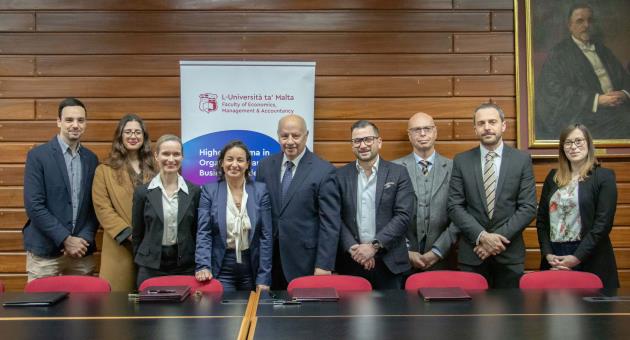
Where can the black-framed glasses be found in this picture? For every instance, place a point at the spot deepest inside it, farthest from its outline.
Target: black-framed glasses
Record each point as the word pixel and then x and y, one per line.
pixel 421 129
pixel 368 141
pixel 129 133
pixel 578 142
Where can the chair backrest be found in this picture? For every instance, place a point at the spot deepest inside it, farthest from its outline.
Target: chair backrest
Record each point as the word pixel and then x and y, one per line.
pixel 342 283
pixel 446 278
pixel 69 283
pixel 212 286
pixel 560 279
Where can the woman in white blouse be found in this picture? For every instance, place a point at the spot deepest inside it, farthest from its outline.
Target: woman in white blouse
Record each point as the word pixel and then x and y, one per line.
pixel 576 210
pixel 234 243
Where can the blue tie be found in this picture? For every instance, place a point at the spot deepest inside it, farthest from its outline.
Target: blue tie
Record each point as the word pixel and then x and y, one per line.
pixel 286 179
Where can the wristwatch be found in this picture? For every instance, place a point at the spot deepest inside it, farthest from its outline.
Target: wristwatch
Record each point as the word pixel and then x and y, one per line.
pixel 376 244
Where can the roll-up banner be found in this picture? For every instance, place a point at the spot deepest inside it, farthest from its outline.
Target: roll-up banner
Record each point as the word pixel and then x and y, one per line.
pixel 223 101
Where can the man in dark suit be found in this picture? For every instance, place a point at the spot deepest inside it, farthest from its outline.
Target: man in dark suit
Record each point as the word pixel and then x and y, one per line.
pixel 492 199
pixel 304 205
pixel 377 204
pixel 582 81
pixel 59 233
pixel 429 235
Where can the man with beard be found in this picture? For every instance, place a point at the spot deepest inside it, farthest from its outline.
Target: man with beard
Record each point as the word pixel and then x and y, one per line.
pixel 582 81
pixel 492 198
pixel 377 203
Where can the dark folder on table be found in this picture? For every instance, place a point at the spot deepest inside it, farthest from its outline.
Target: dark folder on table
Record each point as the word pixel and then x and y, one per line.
pixel 443 293
pixel 164 294
pixel 35 299
pixel 315 294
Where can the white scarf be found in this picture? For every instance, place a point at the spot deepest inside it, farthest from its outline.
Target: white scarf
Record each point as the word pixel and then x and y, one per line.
pixel 238 223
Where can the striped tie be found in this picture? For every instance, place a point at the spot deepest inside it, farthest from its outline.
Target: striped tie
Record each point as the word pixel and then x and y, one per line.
pixel 424 167
pixel 490 182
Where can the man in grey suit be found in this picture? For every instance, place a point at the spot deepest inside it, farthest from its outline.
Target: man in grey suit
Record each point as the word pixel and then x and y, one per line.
pixel 492 199
pixel 377 205
pixel 429 235
pixel 304 206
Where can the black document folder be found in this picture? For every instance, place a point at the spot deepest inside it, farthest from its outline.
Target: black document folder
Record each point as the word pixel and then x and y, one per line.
pixel 164 294
pixel 443 293
pixel 35 299
pixel 315 294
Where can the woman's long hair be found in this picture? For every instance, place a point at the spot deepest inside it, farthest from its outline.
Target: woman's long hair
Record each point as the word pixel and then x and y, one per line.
pixel 563 175
pixel 226 148
pixel 118 158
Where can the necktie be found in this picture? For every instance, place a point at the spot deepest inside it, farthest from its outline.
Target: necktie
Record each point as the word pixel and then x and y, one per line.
pixel 286 178
pixel 424 167
pixel 490 182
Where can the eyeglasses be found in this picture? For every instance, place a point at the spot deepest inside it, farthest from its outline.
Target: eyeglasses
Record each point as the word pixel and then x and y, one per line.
pixel 129 133
pixel 579 142
pixel 419 130
pixel 368 141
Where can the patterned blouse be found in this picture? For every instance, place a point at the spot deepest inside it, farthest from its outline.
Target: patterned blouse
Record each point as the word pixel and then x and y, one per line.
pixel 564 214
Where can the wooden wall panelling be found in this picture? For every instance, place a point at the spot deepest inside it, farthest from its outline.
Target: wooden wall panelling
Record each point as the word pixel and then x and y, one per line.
pixel 620 237
pixel 502 21
pixel 17 109
pixel 17 65
pixel 463 129
pixel 390 130
pixel 114 108
pixel 484 42
pixel 370 86
pixel 14 152
pixel 341 152
pixel 183 43
pixel 11 174
pixel 11 197
pixel 16 22
pixel 503 64
pixel 479 85
pixel 532 258
pixel 11 218
pixel 13 282
pixel 264 21
pixel 16 262
pixel 483 4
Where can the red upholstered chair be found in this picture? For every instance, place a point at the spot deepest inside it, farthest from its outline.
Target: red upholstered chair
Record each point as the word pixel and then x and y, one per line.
pixel 343 283
pixel 69 283
pixel 446 278
pixel 214 286
pixel 560 279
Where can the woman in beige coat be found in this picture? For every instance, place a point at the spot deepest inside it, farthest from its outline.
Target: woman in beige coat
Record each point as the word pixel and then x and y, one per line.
pixel 130 163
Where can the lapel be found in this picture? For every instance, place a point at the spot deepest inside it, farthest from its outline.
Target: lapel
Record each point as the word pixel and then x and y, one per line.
pixel 251 208
pixel 410 163
pixel 61 163
pixel 84 177
pixel 301 173
pixel 183 201
pixel 505 170
pixel 439 174
pixel 155 198
pixel 381 177
pixel 478 174
pixel 352 192
pixel 586 69
pixel 274 183
pixel 221 200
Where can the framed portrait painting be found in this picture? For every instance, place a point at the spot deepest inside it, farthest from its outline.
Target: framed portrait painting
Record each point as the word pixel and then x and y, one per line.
pixel 573 66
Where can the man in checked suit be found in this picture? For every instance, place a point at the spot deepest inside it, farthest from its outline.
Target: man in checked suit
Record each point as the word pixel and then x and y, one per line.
pixel 377 204
pixel 492 199
pixel 304 206
pixel 429 235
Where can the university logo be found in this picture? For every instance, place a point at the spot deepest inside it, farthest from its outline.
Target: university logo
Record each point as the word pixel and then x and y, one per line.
pixel 208 102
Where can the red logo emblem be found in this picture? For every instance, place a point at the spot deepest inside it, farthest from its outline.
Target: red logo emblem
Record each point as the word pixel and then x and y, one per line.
pixel 208 102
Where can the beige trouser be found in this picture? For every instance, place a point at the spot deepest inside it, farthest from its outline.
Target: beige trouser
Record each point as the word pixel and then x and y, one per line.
pixel 38 267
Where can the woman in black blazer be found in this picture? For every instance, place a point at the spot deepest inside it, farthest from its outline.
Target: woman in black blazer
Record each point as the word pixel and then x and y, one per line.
pixel 577 209
pixel 164 217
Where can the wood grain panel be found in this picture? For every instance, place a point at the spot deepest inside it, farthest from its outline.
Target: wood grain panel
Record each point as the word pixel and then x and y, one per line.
pixel 267 21
pixel 11 197
pixel 121 5
pixel 14 152
pixel 463 130
pixel 16 262
pixel 96 131
pixel 16 22
pixel 483 4
pixel 541 169
pixel 503 21
pixel 327 64
pixel 502 64
pixel 89 87
pixel 11 174
pixel 245 43
pixel 341 152
pixel 395 108
pixel 390 130
pixel 17 109
pixel 623 192
pixel 114 108
pixel 488 86
pixel 17 66
pixel 13 282
pixel 620 237
pixel 532 258
pixel 383 86
pixel 12 218
pixel 484 42
pixel 507 104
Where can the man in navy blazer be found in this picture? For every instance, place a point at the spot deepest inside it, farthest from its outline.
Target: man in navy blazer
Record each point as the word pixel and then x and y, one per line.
pixel 304 205
pixel 59 233
pixel 378 202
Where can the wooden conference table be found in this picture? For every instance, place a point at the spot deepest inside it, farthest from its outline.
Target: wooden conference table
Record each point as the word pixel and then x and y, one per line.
pixel 496 314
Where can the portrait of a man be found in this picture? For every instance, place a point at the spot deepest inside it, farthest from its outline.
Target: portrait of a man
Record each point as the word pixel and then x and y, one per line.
pixel 582 75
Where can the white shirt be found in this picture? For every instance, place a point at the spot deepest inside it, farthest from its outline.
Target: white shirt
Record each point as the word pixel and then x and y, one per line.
pixel 238 223
pixel 169 208
pixel 366 202
pixel 296 162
